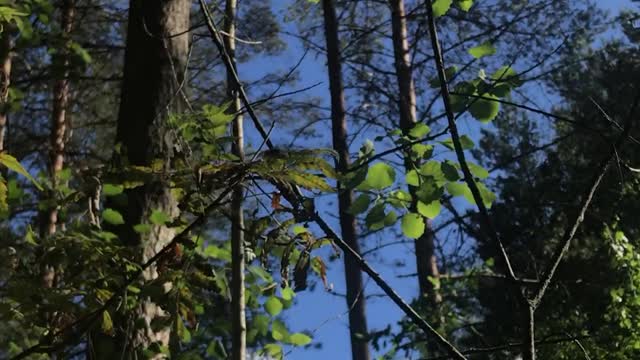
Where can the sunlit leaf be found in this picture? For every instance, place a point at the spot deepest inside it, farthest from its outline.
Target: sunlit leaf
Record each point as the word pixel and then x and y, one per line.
pixel 273 306
pixel 107 323
pixel 380 176
pixel 112 217
pixel 412 225
pixel 412 178
pixel 299 339
pixel 464 5
pixel 158 217
pixel 112 190
pixel 430 210
pixel 484 49
pixel 419 131
pixel 440 7
pixel 13 164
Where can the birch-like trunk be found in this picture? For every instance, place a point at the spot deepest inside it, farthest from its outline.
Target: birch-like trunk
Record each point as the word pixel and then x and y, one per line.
pixel 238 317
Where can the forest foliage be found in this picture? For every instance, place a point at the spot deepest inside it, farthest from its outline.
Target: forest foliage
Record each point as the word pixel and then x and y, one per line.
pixel 159 200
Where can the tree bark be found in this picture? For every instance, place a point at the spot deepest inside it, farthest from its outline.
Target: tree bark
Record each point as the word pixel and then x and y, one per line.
pixel 426 263
pixel 355 291
pixel 6 48
pixel 238 317
pixel 61 93
pixel 156 57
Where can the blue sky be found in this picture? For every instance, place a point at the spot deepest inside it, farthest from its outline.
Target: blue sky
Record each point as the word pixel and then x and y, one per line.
pixel 322 312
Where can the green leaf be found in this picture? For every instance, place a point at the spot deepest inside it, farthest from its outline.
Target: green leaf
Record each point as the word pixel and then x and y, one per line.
pixel 183 332
pixel 478 171
pixel 419 131
pixel 375 218
pixel 508 75
pixel 279 331
pixel 459 189
pixel 299 229
pixel 359 205
pixel 309 181
pixel 4 206
pixel 13 164
pixel 112 217
pixel 274 350
pixel 142 228
pixel 158 217
pixel 261 322
pixel 380 176
pixel 107 323
pixel 399 199
pixel 488 197
pixel 485 109
pixel 112 190
pixel 433 168
pixel 412 225
pixel 430 210
pixel 273 306
pixel 299 339
pixel 390 218
pixel 464 5
pixel 288 294
pixel 215 252
pixel 30 236
pixel 412 178
pixel 422 150
pixel 449 170
pixel 260 272
pixel 484 49
pixel 466 142
pixel 448 72
pixel 440 7
pixel 429 191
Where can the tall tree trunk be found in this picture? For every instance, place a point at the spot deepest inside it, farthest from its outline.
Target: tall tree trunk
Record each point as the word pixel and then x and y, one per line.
pixel 59 127
pixel 426 263
pixel 156 57
pixel 59 116
pixel 238 317
pixel 6 48
pixel 355 290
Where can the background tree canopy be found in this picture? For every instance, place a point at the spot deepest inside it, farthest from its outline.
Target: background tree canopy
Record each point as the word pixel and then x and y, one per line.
pixel 447 179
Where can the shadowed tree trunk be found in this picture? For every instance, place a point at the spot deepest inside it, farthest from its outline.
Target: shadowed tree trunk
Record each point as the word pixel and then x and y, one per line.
pixel 156 57
pixel 426 264
pixel 355 290
pixel 238 317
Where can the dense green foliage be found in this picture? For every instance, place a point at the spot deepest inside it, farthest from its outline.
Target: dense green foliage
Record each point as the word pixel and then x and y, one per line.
pixel 83 289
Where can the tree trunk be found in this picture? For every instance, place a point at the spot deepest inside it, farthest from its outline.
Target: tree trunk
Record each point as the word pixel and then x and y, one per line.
pixel 355 290
pixel 238 317
pixel 6 47
pixel 426 264
pixel 59 116
pixel 155 64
